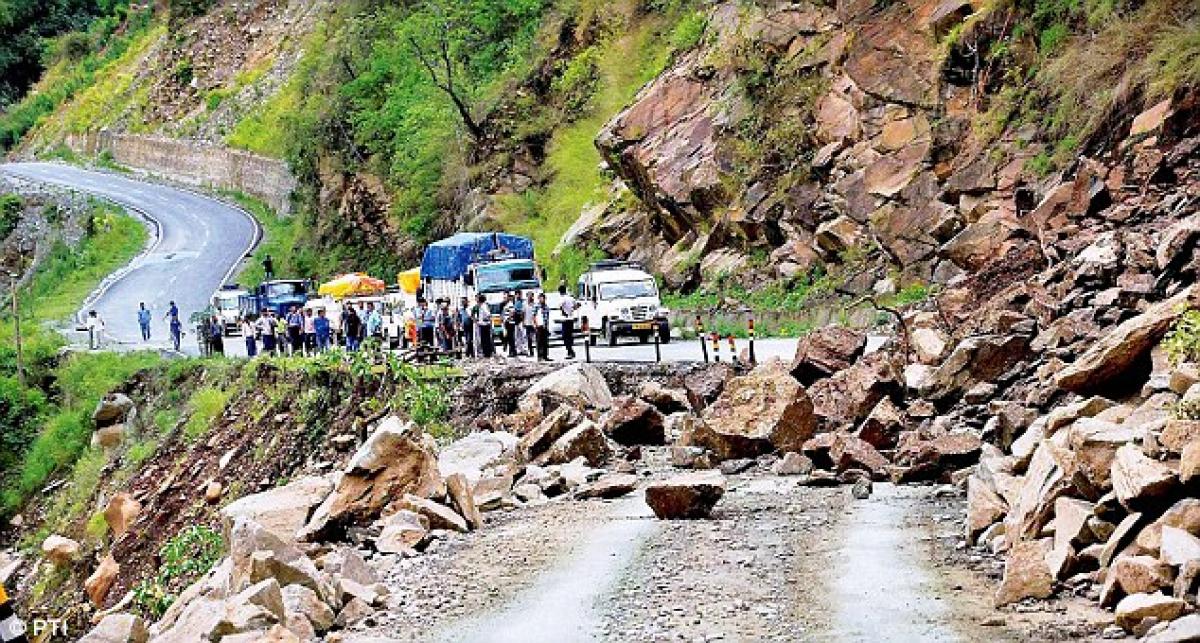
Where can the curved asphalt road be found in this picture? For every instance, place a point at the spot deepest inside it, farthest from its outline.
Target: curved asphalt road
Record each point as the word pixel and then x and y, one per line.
pixel 196 244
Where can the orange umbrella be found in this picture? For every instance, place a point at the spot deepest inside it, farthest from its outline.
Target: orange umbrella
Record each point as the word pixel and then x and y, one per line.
pixel 351 285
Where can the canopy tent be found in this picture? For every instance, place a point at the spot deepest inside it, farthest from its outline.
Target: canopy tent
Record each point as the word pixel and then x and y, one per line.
pixel 352 285
pixel 409 280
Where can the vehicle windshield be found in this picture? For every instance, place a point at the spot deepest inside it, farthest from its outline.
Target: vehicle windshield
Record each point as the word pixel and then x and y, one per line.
pixel 628 289
pixel 228 303
pixel 285 289
pixel 506 278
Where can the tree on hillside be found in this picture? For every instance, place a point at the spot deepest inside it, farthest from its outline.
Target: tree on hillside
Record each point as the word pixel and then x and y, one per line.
pixel 26 26
pixel 461 42
pixel 434 55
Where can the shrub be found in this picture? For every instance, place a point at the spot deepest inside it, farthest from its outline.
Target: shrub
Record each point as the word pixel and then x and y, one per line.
pixel 10 213
pixel 689 31
pixel 1182 343
pixel 184 558
pixel 206 404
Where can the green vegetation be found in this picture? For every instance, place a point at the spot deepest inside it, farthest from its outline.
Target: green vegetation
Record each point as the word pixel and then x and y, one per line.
pixel 10 213
pixel 206 405
pixel 1069 66
pixel 47 426
pixel 109 41
pixel 283 239
pixel 625 59
pixel 1182 342
pixel 71 273
pixel 184 558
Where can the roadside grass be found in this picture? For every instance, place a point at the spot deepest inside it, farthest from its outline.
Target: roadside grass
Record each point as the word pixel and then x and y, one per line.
pixel 625 62
pixel 82 380
pixel 69 275
pixel 73 385
pixel 283 239
pixel 205 405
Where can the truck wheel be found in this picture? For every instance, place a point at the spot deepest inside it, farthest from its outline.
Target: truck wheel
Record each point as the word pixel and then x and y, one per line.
pixel 609 335
pixel 644 338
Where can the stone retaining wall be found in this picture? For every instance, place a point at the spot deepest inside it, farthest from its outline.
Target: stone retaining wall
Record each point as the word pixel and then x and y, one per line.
pixel 195 163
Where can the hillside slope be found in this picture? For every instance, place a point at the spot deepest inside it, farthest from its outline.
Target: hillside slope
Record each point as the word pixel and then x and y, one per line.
pixel 757 144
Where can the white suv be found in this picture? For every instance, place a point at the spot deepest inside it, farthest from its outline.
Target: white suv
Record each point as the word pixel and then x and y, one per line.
pixel 620 298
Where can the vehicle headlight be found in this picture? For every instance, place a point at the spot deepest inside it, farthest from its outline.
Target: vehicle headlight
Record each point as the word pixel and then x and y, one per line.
pixel 663 311
pixel 624 313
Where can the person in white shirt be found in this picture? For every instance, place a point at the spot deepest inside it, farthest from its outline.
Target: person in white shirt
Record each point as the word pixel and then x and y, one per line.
pixel 95 327
pixel 249 333
pixel 568 305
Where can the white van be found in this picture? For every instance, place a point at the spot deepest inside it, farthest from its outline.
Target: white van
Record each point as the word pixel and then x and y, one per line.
pixel 228 303
pixel 620 298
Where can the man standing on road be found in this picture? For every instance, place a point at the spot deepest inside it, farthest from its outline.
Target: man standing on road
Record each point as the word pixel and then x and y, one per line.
pixel 321 330
pixel 268 268
pixel 568 306
pixel 374 324
pixel 310 331
pixel 466 326
pixel 426 322
pixel 249 333
pixel 482 316
pixel 174 324
pixel 509 315
pixel 541 323
pixel 352 326
pixel 144 321
pixel 95 327
pixel 295 330
pixel 530 325
pixel 266 329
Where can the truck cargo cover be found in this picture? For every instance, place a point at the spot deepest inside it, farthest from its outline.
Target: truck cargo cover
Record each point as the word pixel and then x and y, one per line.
pixel 450 257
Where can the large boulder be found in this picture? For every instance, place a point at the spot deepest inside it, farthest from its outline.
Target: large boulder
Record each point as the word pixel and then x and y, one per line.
pixel 841 401
pixel 402 531
pixel 102 579
pixel 111 410
pixel 580 385
pixel 585 441
pixel 826 351
pixel 1095 443
pixel 282 510
pixel 439 516
pixel 633 421
pixel 459 490
pixel 552 427
pixel 1121 359
pixel 60 550
pixel 396 460
pixel 928 458
pixel 118 628
pixel 976 359
pixel 1045 481
pixel 475 453
pixel 760 412
pixel 691 495
pixel 120 513
pixel 1133 609
pixel 1139 481
pixel 1026 574
pixel 704 386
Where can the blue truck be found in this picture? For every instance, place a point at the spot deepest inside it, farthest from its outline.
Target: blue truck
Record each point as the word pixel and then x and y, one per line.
pixel 472 263
pixel 278 295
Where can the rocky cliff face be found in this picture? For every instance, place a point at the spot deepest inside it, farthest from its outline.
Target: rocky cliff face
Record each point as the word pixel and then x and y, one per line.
pixel 866 123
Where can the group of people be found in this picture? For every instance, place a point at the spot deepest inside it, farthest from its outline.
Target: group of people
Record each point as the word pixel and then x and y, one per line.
pixel 525 320
pixel 303 332
pixel 468 328
pixel 145 317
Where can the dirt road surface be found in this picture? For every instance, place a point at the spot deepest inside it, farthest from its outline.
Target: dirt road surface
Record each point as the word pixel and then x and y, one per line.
pixel 777 562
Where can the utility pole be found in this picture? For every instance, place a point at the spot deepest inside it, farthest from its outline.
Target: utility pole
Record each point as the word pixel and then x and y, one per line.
pixel 16 309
